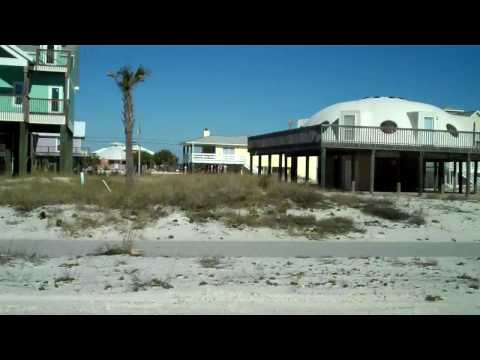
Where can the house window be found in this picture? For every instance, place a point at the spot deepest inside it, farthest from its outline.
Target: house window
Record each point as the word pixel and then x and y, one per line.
pixel 206 149
pixel 18 93
pixel 388 126
pixel 229 151
pixel 452 130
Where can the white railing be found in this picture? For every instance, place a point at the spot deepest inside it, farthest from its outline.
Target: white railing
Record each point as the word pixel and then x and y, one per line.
pixel 215 159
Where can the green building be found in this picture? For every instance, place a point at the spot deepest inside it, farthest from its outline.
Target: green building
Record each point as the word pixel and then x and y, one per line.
pixel 37 95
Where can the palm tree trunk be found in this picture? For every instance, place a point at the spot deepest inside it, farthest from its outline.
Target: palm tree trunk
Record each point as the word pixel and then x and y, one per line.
pixel 128 124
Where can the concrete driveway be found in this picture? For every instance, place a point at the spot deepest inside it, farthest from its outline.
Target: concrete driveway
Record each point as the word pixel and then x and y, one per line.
pixel 54 248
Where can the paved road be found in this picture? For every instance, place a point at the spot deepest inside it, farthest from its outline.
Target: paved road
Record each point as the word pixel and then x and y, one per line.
pixel 55 248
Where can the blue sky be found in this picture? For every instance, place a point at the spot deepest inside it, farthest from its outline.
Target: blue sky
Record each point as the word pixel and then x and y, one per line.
pixel 247 90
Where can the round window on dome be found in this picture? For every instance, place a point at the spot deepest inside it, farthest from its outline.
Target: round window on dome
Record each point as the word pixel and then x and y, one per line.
pixel 452 130
pixel 388 126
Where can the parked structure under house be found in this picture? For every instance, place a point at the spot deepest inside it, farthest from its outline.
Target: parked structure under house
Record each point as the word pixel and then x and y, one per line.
pixel 47 148
pixel 378 144
pixel 37 92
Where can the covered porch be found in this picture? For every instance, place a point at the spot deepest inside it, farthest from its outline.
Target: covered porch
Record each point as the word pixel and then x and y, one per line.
pixel 371 159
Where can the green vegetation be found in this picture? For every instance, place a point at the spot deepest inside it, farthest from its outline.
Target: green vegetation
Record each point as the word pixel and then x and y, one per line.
pixel 308 226
pixel 233 199
pixel 127 80
pixel 192 192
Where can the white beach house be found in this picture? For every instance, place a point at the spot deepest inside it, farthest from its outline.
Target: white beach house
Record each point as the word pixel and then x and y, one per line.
pixel 113 157
pixel 215 153
pixel 379 143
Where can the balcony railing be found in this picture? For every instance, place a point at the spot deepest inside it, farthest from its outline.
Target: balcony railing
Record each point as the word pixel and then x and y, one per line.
pixel 47 106
pixel 367 137
pixel 11 108
pixel 45 110
pixel 55 150
pixel 399 138
pixel 215 159
pixel 53 58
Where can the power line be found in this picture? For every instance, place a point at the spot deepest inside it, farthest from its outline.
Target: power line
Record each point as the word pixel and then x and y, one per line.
pixel 147 142
pixel 143 139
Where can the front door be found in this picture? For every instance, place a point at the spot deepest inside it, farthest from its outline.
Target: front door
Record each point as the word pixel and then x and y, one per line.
pixel 50 54
pixel 55 99
pixel 428 125
pixel 349 122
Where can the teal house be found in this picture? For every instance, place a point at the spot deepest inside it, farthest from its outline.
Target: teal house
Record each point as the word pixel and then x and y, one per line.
pixel 37 95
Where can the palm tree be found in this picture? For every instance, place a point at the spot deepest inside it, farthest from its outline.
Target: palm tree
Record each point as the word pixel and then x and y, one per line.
pixel 127 80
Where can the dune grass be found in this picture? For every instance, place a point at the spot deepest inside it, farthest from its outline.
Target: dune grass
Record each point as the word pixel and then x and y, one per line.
pixel 193 192
pixel 202 197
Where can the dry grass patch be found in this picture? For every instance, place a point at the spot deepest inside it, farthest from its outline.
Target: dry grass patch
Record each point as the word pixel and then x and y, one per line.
pixel 195 192
pixel 296 225
pixel 378 207
pixel 137 284
pixel 210 262
pixel 201 196
pixel 426 263
pixel 62 280
pixel 125 248
pixel 10 258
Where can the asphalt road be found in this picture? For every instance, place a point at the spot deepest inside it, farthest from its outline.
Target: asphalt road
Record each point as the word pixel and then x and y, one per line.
pixel 54 248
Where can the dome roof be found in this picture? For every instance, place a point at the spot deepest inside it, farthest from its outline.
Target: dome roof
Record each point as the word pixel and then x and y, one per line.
pixel 373 111
pixel 116 151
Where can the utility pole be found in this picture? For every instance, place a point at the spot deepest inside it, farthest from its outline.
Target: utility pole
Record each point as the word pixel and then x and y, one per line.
pixel 139 132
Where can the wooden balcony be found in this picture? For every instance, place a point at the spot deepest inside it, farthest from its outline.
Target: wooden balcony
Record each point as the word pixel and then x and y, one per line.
pixel 52 60
pixel 47 111
pixel 11 108
pixel 40 111
pixel 312 138
pixel 202 158
pixel 55 151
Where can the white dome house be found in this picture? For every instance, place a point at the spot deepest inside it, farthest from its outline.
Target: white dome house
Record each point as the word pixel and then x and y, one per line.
pixel 392 111
pixel 381 142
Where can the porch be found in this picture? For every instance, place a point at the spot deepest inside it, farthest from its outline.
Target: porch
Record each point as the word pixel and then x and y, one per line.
pixel 205 158
pixel 372 158
pixel 35 110
pixel 52 60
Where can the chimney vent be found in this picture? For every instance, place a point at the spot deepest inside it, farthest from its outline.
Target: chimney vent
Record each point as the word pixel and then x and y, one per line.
pixel 206 132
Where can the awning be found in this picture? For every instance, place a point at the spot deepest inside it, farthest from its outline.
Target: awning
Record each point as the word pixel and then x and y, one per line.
pixel 5 85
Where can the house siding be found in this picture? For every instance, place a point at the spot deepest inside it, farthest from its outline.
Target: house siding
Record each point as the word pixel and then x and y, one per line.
pixel 10 75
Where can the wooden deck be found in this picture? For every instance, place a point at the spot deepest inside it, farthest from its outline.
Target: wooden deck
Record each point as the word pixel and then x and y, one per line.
pixel 311 139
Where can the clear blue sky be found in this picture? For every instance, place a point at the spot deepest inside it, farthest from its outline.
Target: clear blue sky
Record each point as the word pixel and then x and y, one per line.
pixel 247 90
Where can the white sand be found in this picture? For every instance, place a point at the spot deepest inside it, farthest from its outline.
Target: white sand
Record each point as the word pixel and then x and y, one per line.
pixel 447 221
pixel 106 285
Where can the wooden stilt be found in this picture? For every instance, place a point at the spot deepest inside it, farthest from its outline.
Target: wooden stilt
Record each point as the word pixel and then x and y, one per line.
pixel 469 168
pixel 324 167
pixel 421 173
pixel 460 177
pixel 280 167
pixel 475 177
pixel 269 168
pixel 307 173
pixel 353 164
pixel 372 171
